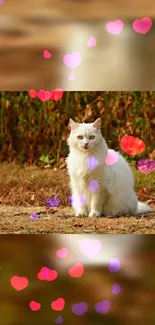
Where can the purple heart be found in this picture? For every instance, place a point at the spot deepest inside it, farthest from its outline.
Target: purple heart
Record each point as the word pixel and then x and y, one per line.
pixel 79 309
pixel 77 200
pixel 59 320
pixel 92 162
pixel 146 166
pixel 34 216
pixel 53 202
pixel 114 265
pixel 103 306
pixel 116 289
pixel 93 186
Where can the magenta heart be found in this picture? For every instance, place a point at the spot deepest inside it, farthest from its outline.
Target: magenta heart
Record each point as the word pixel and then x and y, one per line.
pixel 47 54
pixel 143 25
pixel 114 27
pixel 72 60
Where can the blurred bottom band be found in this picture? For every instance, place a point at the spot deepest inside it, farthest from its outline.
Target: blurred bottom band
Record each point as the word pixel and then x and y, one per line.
pixel 73 279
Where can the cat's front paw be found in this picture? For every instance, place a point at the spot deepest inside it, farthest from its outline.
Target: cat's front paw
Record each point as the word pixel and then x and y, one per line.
pixel 95 214
pixel 81 213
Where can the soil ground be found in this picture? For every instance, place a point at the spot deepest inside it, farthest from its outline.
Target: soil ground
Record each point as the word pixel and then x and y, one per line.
pixel 16 220
pixel 25 190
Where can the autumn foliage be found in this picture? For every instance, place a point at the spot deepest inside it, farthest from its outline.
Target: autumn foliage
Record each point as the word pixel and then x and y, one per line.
pixel 35 131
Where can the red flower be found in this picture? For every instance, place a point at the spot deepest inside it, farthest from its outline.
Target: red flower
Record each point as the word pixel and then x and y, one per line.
pixel 132 145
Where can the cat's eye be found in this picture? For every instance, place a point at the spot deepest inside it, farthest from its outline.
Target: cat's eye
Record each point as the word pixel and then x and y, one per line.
pixel 80 137
pixel 92 137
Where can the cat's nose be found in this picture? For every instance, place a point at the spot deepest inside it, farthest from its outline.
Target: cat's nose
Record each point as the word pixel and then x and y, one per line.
pixel 86 145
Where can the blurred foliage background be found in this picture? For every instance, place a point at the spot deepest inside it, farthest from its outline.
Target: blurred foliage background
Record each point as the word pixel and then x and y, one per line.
pixel 32 131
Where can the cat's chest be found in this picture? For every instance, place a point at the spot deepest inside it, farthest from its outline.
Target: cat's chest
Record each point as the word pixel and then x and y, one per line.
pixel 84 171
pixel 84 167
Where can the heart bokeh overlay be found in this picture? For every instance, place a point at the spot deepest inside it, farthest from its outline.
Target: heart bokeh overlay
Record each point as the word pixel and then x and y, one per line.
pixel 115 28
pixel 90 248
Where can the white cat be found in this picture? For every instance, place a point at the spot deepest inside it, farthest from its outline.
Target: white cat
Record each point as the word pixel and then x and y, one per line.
pixel 97 188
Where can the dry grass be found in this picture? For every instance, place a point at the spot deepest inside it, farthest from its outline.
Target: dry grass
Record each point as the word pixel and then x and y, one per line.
pixel 28 186
pixel 24 190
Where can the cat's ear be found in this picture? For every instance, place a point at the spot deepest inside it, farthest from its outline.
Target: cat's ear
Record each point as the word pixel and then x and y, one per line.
pixel 97 123
pixel 72 124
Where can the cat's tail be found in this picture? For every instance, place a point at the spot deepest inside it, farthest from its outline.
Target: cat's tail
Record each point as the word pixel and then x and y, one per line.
pixel 142 208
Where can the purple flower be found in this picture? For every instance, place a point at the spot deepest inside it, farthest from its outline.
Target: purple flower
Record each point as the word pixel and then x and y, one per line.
pixel 53 202
pixel 34 216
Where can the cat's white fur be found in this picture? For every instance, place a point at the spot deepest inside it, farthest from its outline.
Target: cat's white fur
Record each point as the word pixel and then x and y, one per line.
pixel 115 194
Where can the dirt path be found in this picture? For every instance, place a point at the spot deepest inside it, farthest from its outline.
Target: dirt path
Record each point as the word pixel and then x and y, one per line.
pixel 16 220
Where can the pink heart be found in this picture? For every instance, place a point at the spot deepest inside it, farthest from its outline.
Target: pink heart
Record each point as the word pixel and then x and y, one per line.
pixel 58 304
pixel 62 253
pixel 112 157
pixel 115 27
pixel 56 94
pixel 77 270
pixel 47 95
pixel 71 76
pixel 91 42
pixel 72 60
pixel 44 95
pixel 34 305
pixel 44 273
pixel 47 54
pixel 47 274
pixel 41 95
pixel 19 283
pixel 90 248
pixel 143 25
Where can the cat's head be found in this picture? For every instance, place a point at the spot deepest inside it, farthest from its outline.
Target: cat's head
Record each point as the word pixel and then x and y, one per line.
pixel 84 136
